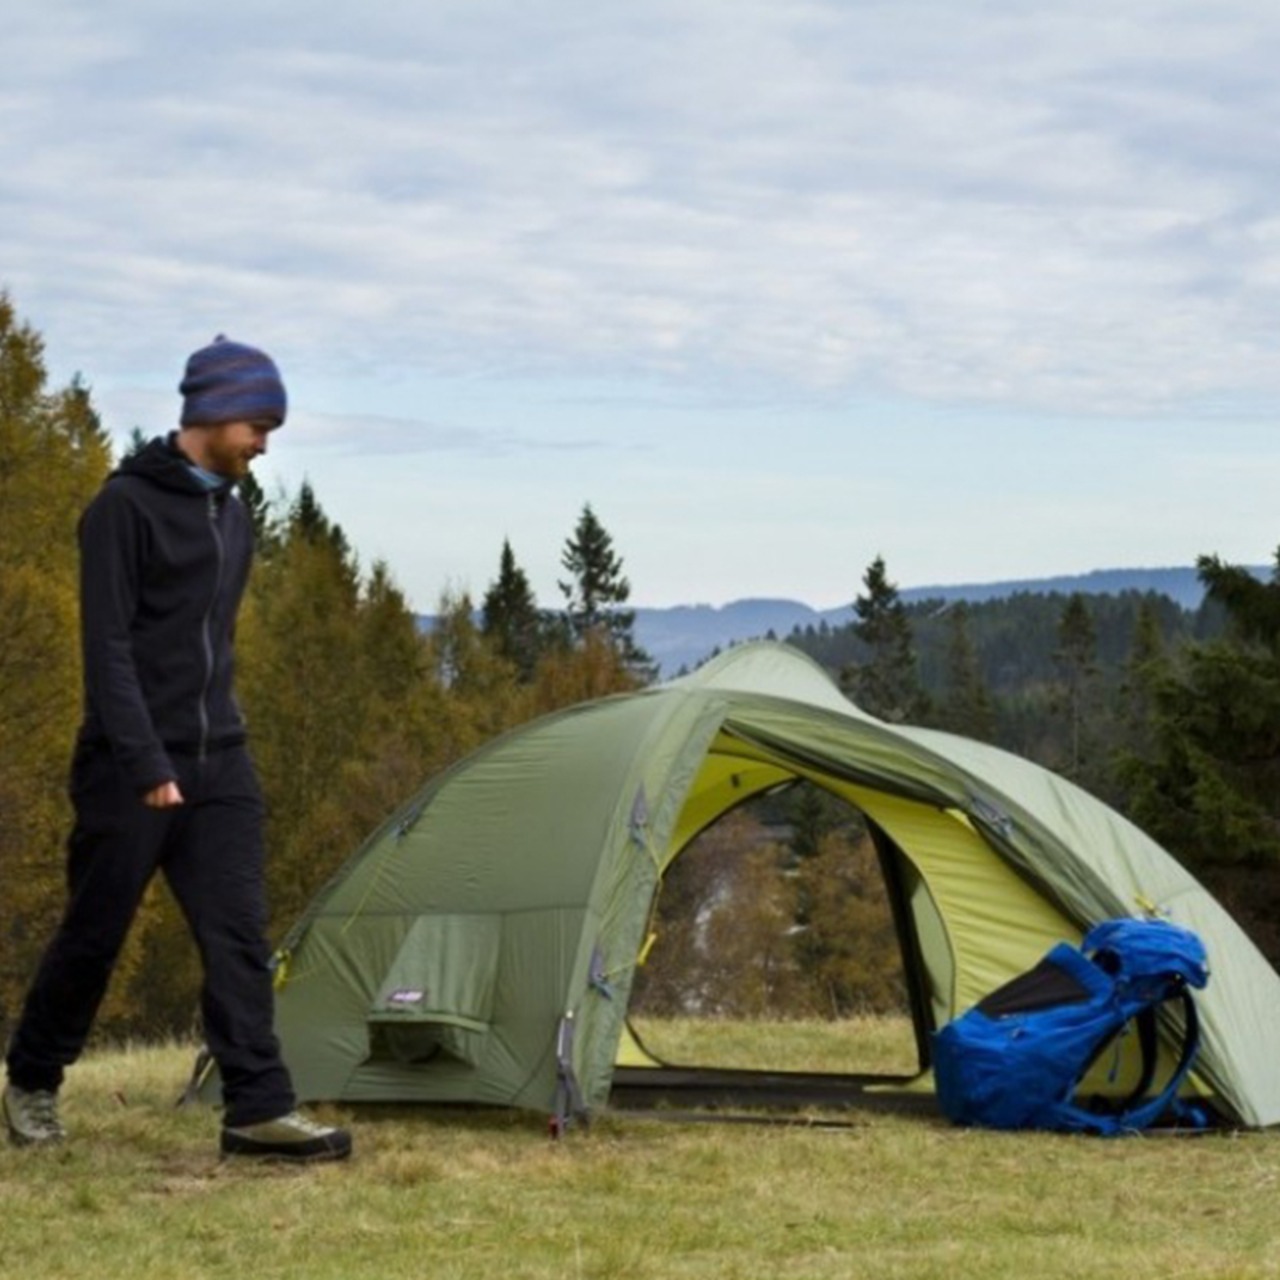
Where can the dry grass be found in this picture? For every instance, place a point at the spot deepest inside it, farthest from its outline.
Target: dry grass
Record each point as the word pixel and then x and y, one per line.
pixel 139 1192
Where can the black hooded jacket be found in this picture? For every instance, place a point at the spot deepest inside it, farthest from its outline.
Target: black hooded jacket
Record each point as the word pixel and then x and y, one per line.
pixel 163 565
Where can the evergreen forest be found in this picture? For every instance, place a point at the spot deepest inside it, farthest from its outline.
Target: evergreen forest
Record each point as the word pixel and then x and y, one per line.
pixel 1172 716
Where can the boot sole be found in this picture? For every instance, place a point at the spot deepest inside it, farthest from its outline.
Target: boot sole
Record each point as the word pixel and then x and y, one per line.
pixel 282 1155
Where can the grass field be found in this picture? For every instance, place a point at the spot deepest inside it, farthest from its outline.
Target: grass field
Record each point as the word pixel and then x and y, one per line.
pixel 138 1191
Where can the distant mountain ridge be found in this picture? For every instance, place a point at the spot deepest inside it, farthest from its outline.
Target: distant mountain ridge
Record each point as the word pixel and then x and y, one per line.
pixel 683 635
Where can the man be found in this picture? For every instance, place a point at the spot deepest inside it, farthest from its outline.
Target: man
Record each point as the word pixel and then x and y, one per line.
pixel 161 778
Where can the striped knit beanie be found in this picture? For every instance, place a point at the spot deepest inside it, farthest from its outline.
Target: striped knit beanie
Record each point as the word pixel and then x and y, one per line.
pixel 230 382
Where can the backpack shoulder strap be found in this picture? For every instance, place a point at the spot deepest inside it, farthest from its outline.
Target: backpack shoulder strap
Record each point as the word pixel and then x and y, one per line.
pixel 1138 1115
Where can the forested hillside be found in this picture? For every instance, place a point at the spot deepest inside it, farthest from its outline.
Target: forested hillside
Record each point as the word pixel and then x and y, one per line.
pixel 1174 716
pixel 1031 672
pixel 1171 715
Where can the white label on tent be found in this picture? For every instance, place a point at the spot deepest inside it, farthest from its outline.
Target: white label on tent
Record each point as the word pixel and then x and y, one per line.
pixel 408 995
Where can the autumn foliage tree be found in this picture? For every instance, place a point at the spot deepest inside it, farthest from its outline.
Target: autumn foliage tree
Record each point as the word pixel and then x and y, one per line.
pixel 53 456
pixel 746 928
pixel 848 949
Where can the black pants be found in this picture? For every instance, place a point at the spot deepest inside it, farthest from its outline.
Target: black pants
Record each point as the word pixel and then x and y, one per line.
pixel 211 852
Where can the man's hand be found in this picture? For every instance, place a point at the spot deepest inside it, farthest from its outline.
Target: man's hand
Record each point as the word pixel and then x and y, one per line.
pixel 165 796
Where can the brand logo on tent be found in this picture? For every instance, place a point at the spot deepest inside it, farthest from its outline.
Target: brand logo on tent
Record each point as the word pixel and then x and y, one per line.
pixel 407 995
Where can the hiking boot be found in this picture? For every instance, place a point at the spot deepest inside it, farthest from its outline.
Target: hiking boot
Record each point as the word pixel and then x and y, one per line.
pixel 32 1116
pixel 291 1137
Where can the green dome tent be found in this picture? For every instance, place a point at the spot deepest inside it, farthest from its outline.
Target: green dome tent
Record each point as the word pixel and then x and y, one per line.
pixel 480 947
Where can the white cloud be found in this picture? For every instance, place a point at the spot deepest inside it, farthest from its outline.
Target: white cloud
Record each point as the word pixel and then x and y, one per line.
pixel 1003 209
pixel 815 203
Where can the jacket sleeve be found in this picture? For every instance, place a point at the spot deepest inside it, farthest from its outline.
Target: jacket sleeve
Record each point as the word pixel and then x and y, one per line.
pixel 112 551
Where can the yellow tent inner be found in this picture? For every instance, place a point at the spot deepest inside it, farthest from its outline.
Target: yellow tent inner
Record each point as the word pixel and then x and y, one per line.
pixel 979 923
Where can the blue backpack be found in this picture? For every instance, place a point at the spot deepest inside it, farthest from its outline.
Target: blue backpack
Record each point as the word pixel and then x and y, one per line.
pixel 1015 1059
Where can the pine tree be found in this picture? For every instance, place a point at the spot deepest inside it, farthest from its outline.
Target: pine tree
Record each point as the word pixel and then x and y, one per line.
pixel 1253 607
pixel 887 684
pixel 511 618
pixel 1076 659
pixel 967 708
pixel 1145 670
pixel 1208 783
pixel 258 507
pixel 596 590
pixel 307 520
pixel 809 820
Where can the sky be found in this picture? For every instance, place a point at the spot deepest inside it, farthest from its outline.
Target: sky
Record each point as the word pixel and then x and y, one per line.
pixel 989 288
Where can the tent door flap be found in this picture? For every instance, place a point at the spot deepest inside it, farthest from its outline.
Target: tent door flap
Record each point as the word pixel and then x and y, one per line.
pixel 436 1000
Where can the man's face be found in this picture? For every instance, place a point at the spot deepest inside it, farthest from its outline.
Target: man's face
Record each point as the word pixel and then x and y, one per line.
pixel 231 446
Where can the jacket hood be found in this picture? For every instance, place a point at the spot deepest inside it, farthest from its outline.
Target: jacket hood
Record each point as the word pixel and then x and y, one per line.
pixel 161 462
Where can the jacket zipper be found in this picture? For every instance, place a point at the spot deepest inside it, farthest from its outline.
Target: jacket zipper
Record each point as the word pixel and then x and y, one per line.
pixel 206 627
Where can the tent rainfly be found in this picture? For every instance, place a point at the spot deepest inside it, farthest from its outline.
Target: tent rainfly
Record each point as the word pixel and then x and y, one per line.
pixel 480 946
